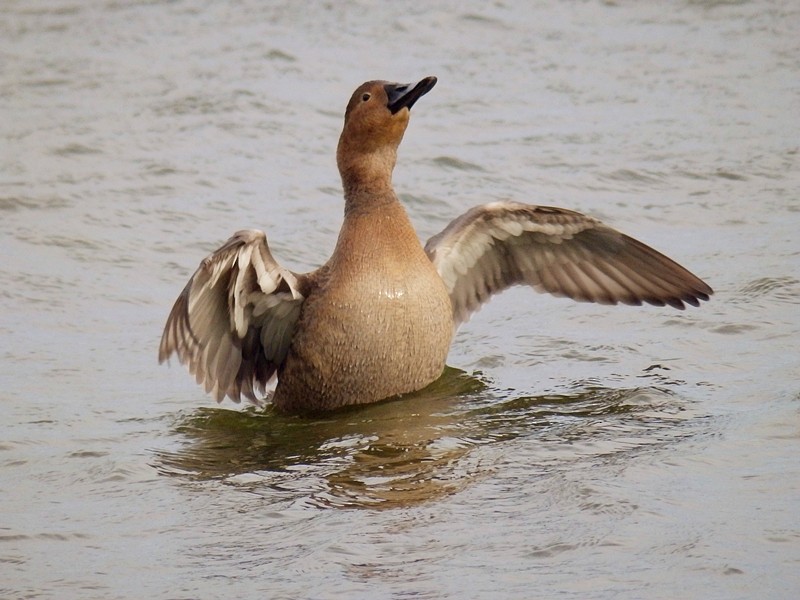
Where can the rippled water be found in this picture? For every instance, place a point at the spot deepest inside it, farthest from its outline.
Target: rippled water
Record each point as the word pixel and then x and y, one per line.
pixel 573 451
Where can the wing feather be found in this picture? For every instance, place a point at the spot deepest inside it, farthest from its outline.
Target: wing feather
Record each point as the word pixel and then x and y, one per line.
pixel 494 246
pixel 233 323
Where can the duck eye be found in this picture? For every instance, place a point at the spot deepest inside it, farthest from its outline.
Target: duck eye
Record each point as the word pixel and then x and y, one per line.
pixel 366 97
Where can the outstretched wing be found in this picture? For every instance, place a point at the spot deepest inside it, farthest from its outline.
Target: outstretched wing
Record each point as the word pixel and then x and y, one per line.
pixel 233 322
pixel 494 246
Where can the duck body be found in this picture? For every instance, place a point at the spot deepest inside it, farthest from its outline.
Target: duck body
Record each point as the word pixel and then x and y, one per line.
pixel 377 319
pixel 379 322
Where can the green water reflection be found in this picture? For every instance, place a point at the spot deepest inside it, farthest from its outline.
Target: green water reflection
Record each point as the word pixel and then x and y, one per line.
pixel 412 450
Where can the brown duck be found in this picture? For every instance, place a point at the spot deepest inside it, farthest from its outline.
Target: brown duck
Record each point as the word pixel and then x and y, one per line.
pixel 377 319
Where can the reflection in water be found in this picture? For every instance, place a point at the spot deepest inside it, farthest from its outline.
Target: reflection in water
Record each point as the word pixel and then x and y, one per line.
pixel 401 453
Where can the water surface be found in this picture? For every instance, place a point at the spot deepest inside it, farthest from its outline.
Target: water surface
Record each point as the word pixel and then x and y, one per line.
pixel 573 451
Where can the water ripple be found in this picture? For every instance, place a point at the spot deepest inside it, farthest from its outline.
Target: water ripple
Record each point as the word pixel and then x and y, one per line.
pixel 402 453
pixel 784 289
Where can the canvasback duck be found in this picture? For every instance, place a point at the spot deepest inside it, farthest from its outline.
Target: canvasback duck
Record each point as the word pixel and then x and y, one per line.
pixel 377 319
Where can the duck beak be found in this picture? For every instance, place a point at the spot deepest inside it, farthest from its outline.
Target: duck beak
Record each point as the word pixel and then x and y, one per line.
pixel 406 94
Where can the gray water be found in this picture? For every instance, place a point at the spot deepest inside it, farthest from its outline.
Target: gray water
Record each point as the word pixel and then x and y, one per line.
pixel 573 451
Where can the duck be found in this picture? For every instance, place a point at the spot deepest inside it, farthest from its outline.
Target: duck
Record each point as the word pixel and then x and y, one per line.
pixel 376 321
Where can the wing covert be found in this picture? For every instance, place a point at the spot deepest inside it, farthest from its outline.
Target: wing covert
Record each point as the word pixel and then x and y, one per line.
pixel 233 323
pixel 565 253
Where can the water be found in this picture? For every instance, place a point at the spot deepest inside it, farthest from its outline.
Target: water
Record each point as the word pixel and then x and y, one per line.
pixel 574 451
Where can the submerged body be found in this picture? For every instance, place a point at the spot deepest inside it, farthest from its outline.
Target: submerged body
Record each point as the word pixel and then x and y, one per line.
pixel 378 318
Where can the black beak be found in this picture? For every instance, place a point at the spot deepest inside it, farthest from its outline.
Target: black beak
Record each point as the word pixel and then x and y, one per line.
pixel 406 94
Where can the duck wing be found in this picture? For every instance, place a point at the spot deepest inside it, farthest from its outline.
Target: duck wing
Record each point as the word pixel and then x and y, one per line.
pixel 565 253
pixel 233 322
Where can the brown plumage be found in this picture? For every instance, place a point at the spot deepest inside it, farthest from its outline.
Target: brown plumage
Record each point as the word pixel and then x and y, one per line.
pixel 377 319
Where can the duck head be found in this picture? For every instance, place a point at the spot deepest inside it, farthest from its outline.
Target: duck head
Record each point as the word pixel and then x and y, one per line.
pixel 374 123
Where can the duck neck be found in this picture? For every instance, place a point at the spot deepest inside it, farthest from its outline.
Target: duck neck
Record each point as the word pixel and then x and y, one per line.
pixel 367 179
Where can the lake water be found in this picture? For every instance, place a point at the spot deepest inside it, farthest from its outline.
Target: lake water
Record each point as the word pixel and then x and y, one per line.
pixel 573 451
